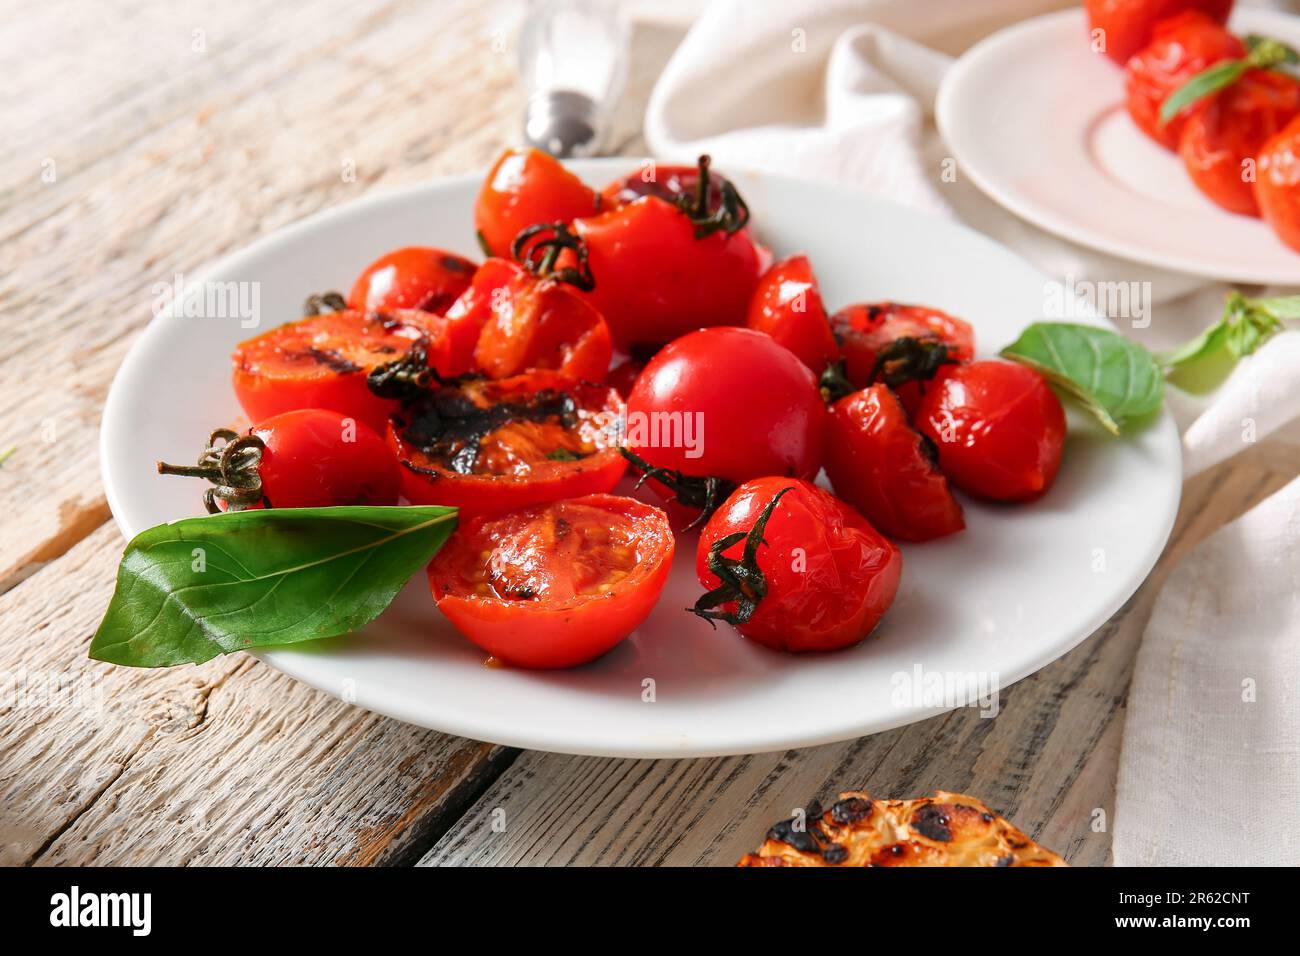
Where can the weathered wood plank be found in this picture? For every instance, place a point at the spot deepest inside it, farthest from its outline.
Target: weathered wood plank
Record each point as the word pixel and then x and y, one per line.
pixel 1047 760
pixel 228 762
pixel 165 158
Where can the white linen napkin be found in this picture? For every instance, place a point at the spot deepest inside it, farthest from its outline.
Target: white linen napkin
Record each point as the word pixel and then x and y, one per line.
pixel 1205 775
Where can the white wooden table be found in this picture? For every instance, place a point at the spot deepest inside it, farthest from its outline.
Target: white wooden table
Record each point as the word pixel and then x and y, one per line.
pixel 145 138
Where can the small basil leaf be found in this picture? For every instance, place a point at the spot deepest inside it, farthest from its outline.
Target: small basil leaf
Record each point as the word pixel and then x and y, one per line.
pixel 1115 379
pixel 192 589
pixel 1208 81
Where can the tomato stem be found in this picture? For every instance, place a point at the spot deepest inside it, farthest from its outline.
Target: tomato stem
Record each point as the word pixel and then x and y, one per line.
pixel 741 580
pixel 704 493
pixel 908 359
pixel 538 249
pixel 834 382
pixel 731 215
pixel 230 462
pixel 404 378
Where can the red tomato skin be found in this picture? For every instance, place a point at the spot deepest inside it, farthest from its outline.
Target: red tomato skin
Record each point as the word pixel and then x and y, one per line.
pixel 548 481
pixel 1130 24
pixel 525 187
pixel 537 323
pixel 309 461
pixel 623 376
pixel 1277 189
pixel 574 633
pixel 270 376
pixel 830 575
pixel 757 406
pixel 879 464
pixel 998 427
pixel 1228 129
pixel 787 305
pixel 863 329
pixel 655 281
pixel 415 277
pixel 1181 47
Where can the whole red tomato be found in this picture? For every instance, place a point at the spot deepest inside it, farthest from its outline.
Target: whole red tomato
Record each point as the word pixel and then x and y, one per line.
pixel 787 305
pixel 881 466
pixel 310 458
pixel 1222 136
pixel 525 187
pixel 669 183
pixel 663 270
pixel 1278 187
pixel 722 406
pixel 557 584
pixel 794 568
pixel 998 427
pixel 1181 47
pixel 416 277
pixel 1128 25
pixel 900 345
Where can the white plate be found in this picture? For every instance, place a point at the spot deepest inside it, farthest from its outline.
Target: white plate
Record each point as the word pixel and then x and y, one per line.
pixel 1038 122
pixel 1018 589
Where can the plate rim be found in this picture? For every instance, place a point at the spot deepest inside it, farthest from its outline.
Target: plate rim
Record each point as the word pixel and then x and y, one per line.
pixel 1057 224
pixel 485 727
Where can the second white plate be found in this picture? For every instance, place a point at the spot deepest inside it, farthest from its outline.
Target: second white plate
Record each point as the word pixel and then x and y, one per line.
pixel 1038 122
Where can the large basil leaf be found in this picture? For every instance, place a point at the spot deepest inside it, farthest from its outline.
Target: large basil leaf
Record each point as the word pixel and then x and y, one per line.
pixel 1115 379
pixel 192 589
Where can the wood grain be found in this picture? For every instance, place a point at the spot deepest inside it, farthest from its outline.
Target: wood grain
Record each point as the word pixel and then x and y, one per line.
pixel 1047 761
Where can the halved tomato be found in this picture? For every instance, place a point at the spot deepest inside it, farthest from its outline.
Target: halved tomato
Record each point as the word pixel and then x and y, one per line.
pixel 556 584
pixel 322 361
pixel 494 446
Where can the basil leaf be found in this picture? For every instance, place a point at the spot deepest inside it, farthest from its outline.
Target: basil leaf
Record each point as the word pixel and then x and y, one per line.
pixel 192 589
pixel 1210 80
pixel 1115 379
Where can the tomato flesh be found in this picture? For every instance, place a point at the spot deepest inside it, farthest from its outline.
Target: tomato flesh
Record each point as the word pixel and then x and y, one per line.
pixel 557 584
pixel 886 470
pixel 830 575
pixel 322 362
pixel 998 427
pixel 494 446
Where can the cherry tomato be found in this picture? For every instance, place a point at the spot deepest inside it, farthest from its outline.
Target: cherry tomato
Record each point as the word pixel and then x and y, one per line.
pixel 726 404
pixel 467 316
pixel 1225 131
pixel 865 331
pixel 827 575
pixel 623 376
pixel 1130 24
pixel 494 446
pixel 309 458
pixel 661 272
pixel 881 466
pixel 787 305
pixel 525 187
pixel 667 182
pixel 557 584
pixel 1278 187
pixel 1181 47
pixel 323 361
pixel 416 277
pixel 537 319
pixel 998 427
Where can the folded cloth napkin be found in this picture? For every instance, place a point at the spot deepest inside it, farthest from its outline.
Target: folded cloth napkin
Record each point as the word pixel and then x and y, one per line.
pixel 854 105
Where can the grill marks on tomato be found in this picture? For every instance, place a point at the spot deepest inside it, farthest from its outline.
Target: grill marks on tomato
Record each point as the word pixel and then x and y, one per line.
pixel 450 427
